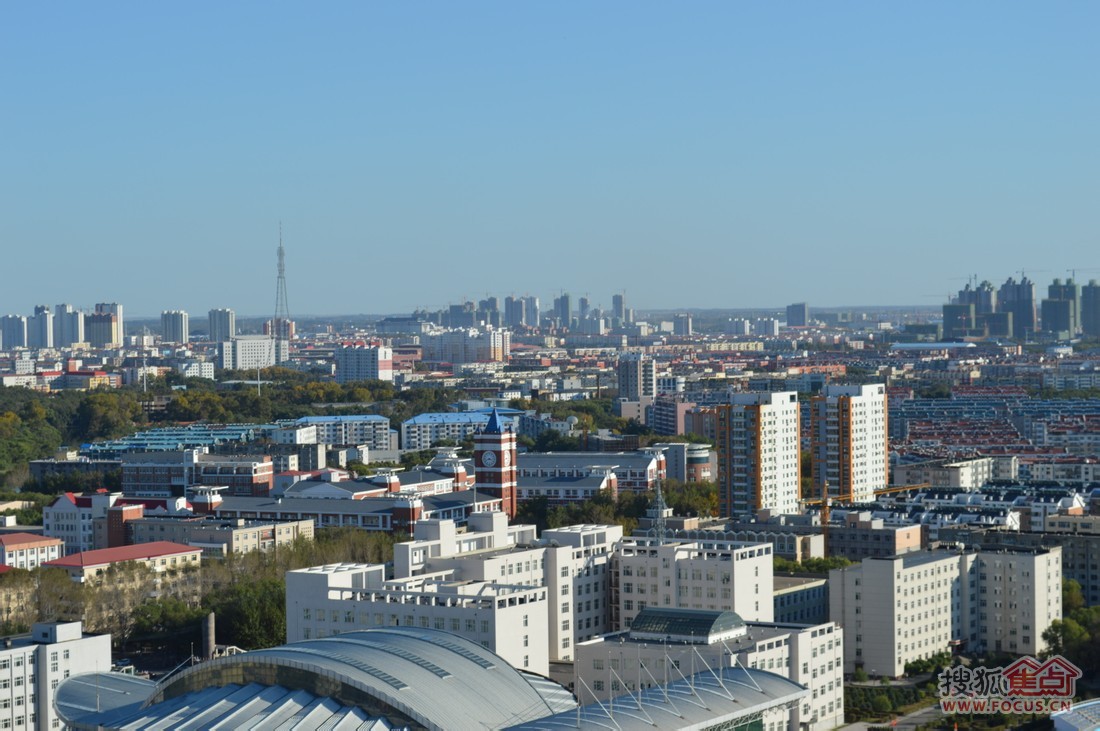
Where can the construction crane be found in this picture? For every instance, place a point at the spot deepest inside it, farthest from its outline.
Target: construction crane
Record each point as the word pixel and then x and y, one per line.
pixel 827 501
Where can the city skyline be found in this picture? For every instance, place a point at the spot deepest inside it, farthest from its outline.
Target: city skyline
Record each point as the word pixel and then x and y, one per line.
pixel 720 156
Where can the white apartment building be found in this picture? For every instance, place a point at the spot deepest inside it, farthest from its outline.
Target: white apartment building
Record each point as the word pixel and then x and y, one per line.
pixel 637 376
pixel 222 324
pixel 759 454
pixel 716 575
pixel 28 551
pixel 508 618
pixel 371 430
pixel 850 442
pixel 249 352
pixel 910 607
pixel 196 369
pixel 359 363
pixel 31 666
pixel 175 326
pixel 665 643
pixel 467 346
pixel 424 430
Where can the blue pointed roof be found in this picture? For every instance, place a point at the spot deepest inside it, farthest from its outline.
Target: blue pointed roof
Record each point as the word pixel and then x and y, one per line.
pixel 493 426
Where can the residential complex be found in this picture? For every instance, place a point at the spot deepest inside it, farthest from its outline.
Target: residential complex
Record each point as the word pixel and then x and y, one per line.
pixel 759 454
pixel 850 446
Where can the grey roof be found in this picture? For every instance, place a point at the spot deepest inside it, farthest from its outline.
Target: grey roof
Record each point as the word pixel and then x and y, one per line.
pixel 698 623
pixel 311 505
pixel 561 460
pixel 368 679
pixel 720 699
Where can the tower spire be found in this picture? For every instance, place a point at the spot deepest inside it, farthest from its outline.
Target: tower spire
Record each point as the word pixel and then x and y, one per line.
pixel 280 325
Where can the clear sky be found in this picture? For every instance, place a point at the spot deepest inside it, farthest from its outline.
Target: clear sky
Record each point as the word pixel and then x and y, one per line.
pixel 725 154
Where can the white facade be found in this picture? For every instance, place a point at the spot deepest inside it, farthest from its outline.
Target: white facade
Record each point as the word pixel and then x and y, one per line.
pixel 196 369
pixel 715 575
pixel 358 363
pixel 759 454
pixel 175 326
pixel 911 607
pixel 369 429
pixel 222 325
pixel 28 551
pixel 508 618
pixel 70 518
pixel 572 562
pixel 31 667
pixel 249 352
pixel 849 441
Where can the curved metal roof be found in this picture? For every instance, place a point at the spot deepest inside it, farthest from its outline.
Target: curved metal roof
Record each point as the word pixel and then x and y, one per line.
pixel 404 675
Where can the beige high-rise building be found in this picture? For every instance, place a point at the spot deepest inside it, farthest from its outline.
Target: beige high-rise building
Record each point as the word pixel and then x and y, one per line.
pixel 759 454
pixel 850 442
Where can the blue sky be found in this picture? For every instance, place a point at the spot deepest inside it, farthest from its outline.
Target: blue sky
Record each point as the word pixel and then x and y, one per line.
pixel 725 154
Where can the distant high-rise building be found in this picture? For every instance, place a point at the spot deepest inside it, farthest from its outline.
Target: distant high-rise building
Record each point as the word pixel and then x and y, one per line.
pixel 1061 310
pixel 798 315
pixel 357 363
pixel 223 324
pixel 618 307
pixel 958 320
pixel 759 454
pixel 563 309
pixel 1019 299
pixel 101 329
pixel 681 324
pixel 531 311
pixel 514 313
pixel 40 328
pixel 174 327
pixel 984 298
pixel 1090 308
pixel 13 332
pixel 637 376
pixel 850 449
pixel 114 308
pixel 68 326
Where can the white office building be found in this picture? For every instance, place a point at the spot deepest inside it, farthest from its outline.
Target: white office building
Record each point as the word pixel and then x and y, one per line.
pixel 31 667
pixel 910 607
pixel 568 569
pixel 715 575
pixel 359 363
pixel 508 618
pixel 249 352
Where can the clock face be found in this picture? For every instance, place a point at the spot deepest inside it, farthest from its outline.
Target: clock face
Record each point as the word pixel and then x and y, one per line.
pixel 507 458
pixel 489 459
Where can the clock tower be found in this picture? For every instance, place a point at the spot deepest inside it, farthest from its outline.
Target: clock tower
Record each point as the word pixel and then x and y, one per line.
pixel 495 463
